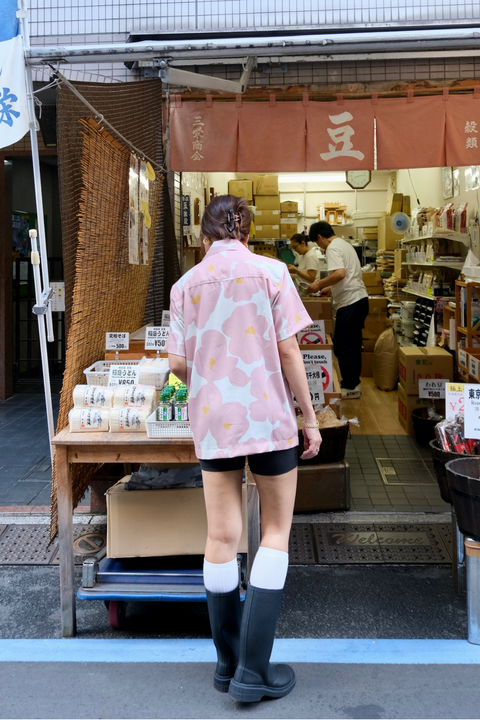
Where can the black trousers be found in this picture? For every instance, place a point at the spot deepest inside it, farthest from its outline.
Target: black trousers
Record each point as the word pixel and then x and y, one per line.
pixel 347 341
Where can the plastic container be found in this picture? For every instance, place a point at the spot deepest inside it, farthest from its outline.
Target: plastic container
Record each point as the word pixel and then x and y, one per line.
pixel 463 476
pixel 332 449
pixel 154 371
pixel 408 308
pixel 97 374
pixel 158 428
pixel 440 459
pixel 408 327
pixel 423 426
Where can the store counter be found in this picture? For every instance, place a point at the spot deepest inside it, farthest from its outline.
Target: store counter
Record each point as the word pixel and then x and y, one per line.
pixel 102 447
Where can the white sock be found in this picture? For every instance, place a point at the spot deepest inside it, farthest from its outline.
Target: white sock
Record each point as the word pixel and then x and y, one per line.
pixel 269 569
pixel 220 577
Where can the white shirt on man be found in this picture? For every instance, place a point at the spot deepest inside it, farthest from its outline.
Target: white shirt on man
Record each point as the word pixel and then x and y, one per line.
pixel 340 254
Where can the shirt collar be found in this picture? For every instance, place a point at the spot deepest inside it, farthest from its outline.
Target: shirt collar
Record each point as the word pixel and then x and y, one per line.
pixel 229 244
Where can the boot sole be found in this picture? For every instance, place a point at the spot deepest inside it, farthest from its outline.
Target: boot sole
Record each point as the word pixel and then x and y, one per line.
pixel 254 693
pixel 221 683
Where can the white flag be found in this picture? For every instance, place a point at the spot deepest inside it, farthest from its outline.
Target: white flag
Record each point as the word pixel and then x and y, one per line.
pixel 14 120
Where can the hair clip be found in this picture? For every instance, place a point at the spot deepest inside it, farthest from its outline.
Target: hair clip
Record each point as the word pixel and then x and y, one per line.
pixel 232 218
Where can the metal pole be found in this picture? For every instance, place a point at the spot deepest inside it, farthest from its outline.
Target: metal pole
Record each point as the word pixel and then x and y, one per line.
pixel 37 178
pixel 39 311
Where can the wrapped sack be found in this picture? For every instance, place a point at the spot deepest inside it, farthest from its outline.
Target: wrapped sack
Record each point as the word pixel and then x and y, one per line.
pixel 385 361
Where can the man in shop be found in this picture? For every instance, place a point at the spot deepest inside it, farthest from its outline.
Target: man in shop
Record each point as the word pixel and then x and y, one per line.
pixel 345 284
pixel 308 266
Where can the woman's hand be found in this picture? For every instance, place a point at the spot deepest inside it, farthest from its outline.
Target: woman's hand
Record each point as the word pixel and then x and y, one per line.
pixel 311 441
pixel 292 269
pixel 326 292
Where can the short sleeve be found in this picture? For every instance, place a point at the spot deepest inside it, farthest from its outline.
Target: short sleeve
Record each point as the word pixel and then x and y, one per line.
pixel 311 261
pixel 289 314
pixel 176 337
pixel 335 259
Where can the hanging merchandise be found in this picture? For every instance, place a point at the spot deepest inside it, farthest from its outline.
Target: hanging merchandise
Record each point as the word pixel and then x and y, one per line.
pixel 133 180
pixel 97 396
pixel 145 219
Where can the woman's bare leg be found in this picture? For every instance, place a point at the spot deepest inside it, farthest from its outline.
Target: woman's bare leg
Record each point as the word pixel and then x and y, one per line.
pixel 223 500
pixel 277 498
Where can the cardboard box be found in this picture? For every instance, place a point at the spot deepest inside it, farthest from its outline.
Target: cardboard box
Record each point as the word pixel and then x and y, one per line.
pixel 151 523
pixel 377 304
pixel 323 487
pixel 406 205
pixel 375 325
pixel 372 278
pixel 375 289
pixel 387 238
pixel 394 203
pixel 266 231
pixel 241 188
pixel 416 364
pixel 289 206
pixel 267 217
pixel 265 185
pixel 368 343
pixel 320 309
pixel 287 229
pixel 291 215
pixel 398 258
pixel 267 202
pixel 367 364
pixel 407 403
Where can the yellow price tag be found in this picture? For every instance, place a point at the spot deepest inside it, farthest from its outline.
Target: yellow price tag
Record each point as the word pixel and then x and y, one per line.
pixel 451 387
pixel 173 380
pixel 150 172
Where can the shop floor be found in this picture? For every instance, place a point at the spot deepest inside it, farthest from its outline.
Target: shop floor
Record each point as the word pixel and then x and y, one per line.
pixel 382 543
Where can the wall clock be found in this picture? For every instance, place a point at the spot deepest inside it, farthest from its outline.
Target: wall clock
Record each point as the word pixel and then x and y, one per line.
pixel 358 179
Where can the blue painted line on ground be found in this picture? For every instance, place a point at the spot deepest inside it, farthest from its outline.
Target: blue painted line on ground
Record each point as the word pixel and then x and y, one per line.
pixel 348 651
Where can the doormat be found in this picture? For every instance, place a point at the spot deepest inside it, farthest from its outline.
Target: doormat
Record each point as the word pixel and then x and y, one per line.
pixel 28 544
pixel 405 471
pixel 379 544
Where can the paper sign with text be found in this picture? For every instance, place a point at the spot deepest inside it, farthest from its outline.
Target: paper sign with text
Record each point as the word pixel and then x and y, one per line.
pixel 58 297
pixel 323 358
pixel 156 338
pixel 122 375
pixel 433 389
pixel 166 318
pixel 117 341
pixel 454 399
pixel 315 385
pixel 472 411
pixel 314 334
pixel 473 367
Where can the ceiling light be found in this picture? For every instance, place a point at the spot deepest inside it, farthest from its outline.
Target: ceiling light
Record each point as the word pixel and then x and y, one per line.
pixel 327 177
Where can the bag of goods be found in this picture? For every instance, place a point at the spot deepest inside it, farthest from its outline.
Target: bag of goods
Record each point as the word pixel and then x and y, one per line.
pixel 128 419
pixel 92 396
pixel 134 396
pixel 451 436
pixel 385 361
pixel 445 217
pixel 461 218
pixel 88 419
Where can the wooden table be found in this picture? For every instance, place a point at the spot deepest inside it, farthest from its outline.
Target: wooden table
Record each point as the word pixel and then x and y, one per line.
pixel 107 447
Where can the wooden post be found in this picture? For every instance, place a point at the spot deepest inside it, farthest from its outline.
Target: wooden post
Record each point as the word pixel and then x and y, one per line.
pixel 65 534
pixel 6 280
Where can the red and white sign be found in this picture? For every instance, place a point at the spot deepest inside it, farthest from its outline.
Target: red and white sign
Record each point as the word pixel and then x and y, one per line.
pixel 314 334
pixel 322 358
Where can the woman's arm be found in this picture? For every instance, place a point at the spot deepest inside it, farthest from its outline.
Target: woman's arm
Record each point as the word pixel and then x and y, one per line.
pixel 335 277
pixel 178 366
pixel 308 275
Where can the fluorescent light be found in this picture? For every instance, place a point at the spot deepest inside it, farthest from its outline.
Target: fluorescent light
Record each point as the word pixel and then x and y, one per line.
pixel 326 177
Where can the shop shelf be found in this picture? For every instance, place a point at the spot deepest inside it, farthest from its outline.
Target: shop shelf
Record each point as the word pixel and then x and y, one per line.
pixel 442 234
pixel 451 265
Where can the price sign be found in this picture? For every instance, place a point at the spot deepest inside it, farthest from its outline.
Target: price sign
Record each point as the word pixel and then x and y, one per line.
pixel 117 341
pixel 122 375
pixel 323 358
pixel 314 334
pixel 156 338
pixel 166 318
pixel 315 379
pixel 454 400
pixel 473 367
pixel 462 358
pixel 433 389
pixel 472 411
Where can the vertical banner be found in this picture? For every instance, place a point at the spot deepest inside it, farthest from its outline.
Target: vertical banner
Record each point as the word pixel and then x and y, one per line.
pixel 463 130
pixel 410 132
pixel 340 135
pixel 204 136
pixel 145 219
pixel 133 179
pixel 271 136
pixel 14 122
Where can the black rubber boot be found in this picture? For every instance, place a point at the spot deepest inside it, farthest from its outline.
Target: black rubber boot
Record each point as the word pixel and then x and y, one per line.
pixel 255 676
pixel 225 618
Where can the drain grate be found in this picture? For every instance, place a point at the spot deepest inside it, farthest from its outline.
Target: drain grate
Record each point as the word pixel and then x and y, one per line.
pixel 379 544
pixel 87 540
pixel 26 545
pixel 405 471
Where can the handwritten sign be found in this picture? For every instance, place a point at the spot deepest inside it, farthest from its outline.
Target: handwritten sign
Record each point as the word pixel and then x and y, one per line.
pixel 156 338
pixel 454 400
pixel 117 341
pixel 122 375
pixel 433 389
pixel 314 334
pixel 324 359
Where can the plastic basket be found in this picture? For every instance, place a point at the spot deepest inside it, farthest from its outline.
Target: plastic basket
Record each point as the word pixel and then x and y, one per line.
pixel 167 428
pixel 157 377
pixel 97 374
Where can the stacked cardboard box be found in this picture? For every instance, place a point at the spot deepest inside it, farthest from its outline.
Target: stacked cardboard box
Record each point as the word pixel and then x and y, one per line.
pixel 289 219
pixel 416 364
pixel 241 188
pixel 376 322
pixel 320 309
pixel 267 204
pixel 373 282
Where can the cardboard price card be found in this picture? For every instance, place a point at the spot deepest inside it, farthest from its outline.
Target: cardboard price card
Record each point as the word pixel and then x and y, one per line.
pixel 314 334
pixel 432 389
pixel 324 359
pixel 166 318
pixel 472 411
pixel 315 377
pixel 117 341
pixel 122 375
pixel 156 338
pixel 454 399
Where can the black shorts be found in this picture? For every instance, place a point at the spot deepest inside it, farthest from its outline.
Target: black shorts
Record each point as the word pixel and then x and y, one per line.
pixel 276 462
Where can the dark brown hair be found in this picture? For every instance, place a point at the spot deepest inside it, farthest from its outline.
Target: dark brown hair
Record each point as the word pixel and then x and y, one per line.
pixel 226 216
pixel 299 238
pixel 320 228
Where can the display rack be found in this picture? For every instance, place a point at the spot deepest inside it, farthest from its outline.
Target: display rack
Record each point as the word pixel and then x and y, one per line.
pixel 442 235
pixel 455 265
pixel 467 327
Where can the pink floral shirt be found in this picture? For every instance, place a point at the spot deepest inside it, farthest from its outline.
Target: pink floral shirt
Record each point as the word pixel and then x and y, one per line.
pixel 227 315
